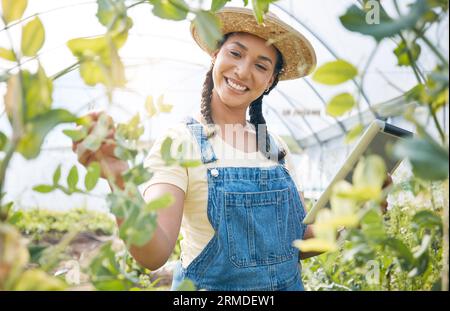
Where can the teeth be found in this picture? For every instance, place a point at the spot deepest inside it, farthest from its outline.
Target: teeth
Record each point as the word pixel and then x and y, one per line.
pixel 236 86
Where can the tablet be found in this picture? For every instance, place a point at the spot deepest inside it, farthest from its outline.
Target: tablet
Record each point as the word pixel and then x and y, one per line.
pixel 372 141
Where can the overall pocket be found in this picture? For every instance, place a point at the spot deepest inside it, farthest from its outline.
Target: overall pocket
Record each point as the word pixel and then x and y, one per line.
pixel 260 227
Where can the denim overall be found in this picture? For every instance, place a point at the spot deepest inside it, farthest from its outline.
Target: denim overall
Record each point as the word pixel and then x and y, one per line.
pixel 256 213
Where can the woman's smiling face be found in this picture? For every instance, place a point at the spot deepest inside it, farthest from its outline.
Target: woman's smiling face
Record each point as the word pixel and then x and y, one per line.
pixel 243 69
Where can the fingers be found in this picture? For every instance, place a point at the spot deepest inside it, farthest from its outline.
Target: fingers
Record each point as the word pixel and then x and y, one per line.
pixel 105 153
pixel 95 115
pixel 85 156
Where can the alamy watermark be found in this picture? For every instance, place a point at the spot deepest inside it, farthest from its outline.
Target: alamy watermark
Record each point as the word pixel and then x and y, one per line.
pixel 372 9
pixel 373 272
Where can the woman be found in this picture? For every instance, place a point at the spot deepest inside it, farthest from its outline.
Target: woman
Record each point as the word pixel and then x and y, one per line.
pixel 239 211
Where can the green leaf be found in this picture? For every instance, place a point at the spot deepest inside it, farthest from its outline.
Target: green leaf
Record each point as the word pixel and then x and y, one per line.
pixel 13 9
pixel 13 102
pixel 190 163
pixel 340 104
pixel 98 134
pixel 111 13
pixel 334 73
pixel 356 20
pixel 422 257
pixel 38 92
pixel 125 154
pixel 117 202
pixel 402 52
pixel 208 28
pixel 72 178
pixel 116 68
pixel 38 280
pixel 105 271
pixel 186 285
pixel 150 107
pixel 354 133
pixel 401 251
pixel 92 176
pixel 7 54
pixel 85 47
pixel 426 219
pixel 137 175
pixel 342 206
pixel 163 201
pixel 33 36
pixel 100 62
pixel 428 159
pixel 36 130
pixel 57 175
pixel 316 245
pixel 166 153
pixel 44 188
pixel 174 9
pixel 131 130
pixel 36 251
pixel 372 225
pixel 216 5
pixel 93 72
pixel 260 7
pixel 163 107
pixel 360 193
pixel 3 141
pixel 76 135
pixel 370 172
pixel 138 227
pixel 14 217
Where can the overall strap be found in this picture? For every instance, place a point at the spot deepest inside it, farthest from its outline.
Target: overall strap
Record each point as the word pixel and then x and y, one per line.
pixel 197 130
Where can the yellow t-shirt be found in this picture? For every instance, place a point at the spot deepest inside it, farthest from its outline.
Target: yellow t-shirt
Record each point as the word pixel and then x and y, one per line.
pixel 195 227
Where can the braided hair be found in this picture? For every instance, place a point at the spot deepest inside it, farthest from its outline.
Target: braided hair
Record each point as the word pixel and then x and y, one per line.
pixel 255 110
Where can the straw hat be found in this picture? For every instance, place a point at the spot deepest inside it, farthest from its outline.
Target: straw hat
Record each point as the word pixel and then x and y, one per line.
pixel 298 54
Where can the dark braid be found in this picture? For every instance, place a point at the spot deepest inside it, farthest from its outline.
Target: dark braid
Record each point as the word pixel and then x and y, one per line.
pixel 255 112
pixel 257 118
pixel 205 108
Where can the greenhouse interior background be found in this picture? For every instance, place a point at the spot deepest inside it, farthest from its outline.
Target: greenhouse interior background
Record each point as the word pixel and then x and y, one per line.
pixel 161 58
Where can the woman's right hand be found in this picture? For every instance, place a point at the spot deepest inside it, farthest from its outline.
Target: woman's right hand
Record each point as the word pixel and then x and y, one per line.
pixel 110 165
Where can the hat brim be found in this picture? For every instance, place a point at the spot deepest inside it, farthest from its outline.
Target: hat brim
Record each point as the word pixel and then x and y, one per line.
pixel 298 54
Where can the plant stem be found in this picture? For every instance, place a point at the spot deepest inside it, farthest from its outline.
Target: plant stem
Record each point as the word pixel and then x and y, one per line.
pixel 17 128
pixel 136 3
pixel 411 59
pixel 3 167
pixel 408 51
pixel 436 123
pixel 65 70
pixel 432 47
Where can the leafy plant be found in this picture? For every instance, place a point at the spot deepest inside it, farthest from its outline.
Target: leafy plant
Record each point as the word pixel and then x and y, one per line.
pixel 29 108
pixel 356 206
